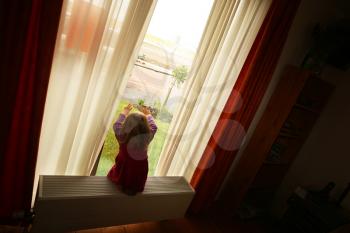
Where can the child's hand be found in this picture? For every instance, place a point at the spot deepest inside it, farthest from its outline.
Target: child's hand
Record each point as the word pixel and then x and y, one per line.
pixel 127 109
pixel 145 110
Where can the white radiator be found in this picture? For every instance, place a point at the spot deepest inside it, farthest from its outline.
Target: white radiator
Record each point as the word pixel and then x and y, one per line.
pixel 68 203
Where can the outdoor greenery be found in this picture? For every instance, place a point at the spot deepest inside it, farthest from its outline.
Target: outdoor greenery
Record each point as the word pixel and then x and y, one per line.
pixel 162 117
pixel 179 75
pixel 111 147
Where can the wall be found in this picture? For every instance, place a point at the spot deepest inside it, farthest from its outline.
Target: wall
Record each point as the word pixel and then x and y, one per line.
pixel 325 156
pixel 294 50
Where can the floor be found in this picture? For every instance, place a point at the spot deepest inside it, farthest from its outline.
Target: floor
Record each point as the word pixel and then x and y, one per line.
pixel 213 224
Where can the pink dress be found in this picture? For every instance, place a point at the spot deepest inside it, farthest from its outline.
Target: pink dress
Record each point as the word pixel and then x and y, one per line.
pixel 131 166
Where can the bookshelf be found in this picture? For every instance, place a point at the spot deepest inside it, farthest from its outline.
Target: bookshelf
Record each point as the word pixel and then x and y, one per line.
pixel 292 111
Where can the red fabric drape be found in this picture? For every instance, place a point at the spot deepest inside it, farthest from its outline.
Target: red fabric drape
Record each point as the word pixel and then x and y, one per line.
pixel 242 104
pixel 28 31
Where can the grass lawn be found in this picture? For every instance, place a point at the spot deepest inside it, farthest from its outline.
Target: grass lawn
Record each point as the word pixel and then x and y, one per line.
pixel 111 147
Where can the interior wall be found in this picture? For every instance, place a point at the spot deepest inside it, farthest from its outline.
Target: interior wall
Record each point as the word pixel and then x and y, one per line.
pixel 295 48
pixel 325 156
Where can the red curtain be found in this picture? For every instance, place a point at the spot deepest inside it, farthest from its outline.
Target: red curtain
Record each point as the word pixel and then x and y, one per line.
pixel 28 33
pixel 242 104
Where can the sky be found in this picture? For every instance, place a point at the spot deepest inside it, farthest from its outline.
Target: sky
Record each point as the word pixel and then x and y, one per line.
pixel 180 20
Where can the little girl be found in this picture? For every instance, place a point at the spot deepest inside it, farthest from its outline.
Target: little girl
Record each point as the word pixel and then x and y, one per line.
pixel 134 132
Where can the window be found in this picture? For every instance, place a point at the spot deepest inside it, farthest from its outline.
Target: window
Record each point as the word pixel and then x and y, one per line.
pixel 160 71
pixel 99 42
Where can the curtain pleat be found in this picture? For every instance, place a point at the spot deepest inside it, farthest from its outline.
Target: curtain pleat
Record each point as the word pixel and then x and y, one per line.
pixel 95 50
pixel 228 36
pixel 240 109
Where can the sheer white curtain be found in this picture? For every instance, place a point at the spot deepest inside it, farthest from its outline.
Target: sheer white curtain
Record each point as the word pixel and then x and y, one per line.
pixel 95 49
pixel 231 29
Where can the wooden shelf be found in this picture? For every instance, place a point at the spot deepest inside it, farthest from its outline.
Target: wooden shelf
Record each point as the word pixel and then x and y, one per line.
pixel 275 163
pixel 308 109
pixel 285 135
pixel 301 108
pixel 293 109
pixel 270 175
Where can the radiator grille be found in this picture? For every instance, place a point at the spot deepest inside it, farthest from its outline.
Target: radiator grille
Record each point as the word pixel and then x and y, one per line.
pixel 58 187
pixel 70 203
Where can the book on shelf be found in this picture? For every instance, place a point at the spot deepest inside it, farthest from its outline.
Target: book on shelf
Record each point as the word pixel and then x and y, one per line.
pixel 289 129
pixel 276 152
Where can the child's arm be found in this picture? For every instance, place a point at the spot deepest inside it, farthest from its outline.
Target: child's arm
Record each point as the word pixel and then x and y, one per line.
pixel 117 126
pixel 150 120
pixel 152 124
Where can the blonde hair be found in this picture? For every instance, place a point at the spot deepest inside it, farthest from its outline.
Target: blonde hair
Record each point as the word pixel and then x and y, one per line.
pixel 136 131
